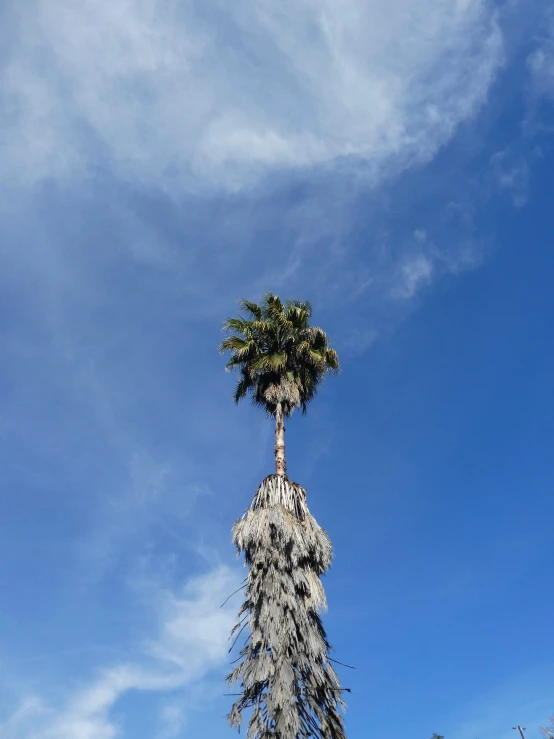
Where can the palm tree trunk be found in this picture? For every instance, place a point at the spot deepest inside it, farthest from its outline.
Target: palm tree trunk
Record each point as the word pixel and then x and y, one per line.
pixel 280 462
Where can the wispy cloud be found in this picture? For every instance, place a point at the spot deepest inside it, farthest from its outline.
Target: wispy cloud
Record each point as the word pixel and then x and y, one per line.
pixel 184 98
pixel 191 93
pixel 541 60
pixel 511 171
pixel 191 640
pixel 524 700
pixel 172 720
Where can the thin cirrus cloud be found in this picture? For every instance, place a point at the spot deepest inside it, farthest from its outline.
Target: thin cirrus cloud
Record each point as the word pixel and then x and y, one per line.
pixel 217 94
pixel 191 96
pixel 524 700
pixel 191 640
pixel 541 60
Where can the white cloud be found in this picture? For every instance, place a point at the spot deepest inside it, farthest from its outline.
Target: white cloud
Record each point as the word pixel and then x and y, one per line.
pixel 172 719
pixel 192 640
pixel 217 93
pixel 420 262
pixel 414 272
pixel 541 61
pixel 511 172
pixel 194 627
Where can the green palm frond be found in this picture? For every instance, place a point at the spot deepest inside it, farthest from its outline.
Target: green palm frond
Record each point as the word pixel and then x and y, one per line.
pixel 252 308
pixel 236 324
pixel 299 313
pixel 318 355
pixel 332 360
pixel 270 362
pixel 241 389
pixel 237 344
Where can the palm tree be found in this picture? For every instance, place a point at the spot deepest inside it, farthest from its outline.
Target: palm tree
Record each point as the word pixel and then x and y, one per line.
pixel 284 671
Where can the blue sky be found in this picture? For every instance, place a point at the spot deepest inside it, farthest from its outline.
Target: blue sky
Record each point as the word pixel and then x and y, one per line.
pixel 392 163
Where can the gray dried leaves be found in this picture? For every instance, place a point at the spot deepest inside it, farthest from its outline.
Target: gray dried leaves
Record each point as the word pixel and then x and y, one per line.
pixel 284 671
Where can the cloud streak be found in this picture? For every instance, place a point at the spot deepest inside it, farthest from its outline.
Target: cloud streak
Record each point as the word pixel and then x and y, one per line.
pixel 524 700
pixel 541 60
pixel 218 94
pixel 191 641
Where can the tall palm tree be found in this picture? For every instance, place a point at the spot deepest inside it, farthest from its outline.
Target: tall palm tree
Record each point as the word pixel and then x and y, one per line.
pixel 285 672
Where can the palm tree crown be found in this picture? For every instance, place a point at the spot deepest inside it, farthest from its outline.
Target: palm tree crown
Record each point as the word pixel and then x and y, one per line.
pixel 281 358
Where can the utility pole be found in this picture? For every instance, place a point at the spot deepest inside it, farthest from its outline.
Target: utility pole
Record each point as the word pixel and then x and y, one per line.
pixel 521 730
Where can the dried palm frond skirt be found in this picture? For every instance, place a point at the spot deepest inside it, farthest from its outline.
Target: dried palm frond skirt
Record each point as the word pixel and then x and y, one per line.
pixel 284 672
